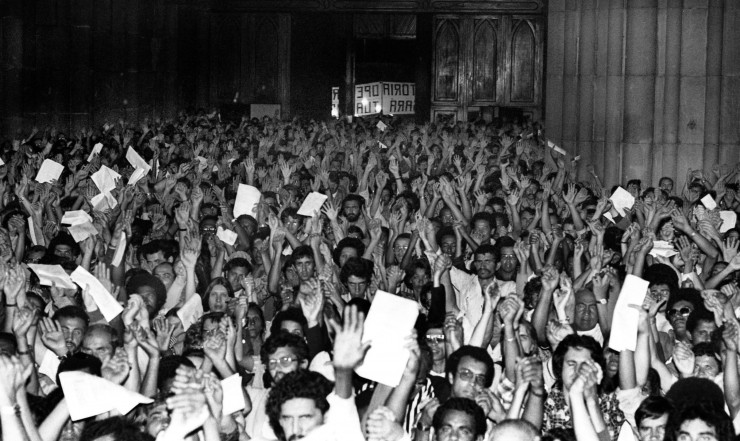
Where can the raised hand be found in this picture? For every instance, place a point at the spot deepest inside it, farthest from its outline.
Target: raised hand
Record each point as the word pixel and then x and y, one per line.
pixel 311 300
pixel 683 358
pixel 349 350
pixel 116 368
pixel 52 337
pixel 163 331
pixel 382 426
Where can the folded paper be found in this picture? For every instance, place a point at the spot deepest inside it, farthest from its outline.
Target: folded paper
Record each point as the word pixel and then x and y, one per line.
pixel 227 236
pixel 312 204
pixel 190 312
pixel 709 202
pixel 120 250
pixel 233 394
pixel 52 275
pixel 391 318
pixel 49 171
pixel 82 231
pixel 105 179
pixel 97 148
pixel 621 200
pixel 108 305
pixel 76 217
pixel 627 314
pixel 89 395
pixel 729 220
pixel 247 198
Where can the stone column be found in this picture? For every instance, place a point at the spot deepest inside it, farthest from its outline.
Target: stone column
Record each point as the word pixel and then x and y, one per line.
pixel 11 67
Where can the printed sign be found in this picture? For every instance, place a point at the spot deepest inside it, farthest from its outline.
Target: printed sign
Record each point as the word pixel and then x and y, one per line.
pixel 335 102
pixel 398 98
pixel 368 99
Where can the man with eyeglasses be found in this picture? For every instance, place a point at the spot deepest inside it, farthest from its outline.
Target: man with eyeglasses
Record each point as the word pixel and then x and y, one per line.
pixel 470 374
pixel 282 353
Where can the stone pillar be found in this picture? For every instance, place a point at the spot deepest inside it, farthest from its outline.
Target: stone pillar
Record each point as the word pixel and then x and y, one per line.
pixel 614 95
pixel 586 77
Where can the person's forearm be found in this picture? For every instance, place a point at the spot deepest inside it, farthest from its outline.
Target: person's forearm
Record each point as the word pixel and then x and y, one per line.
pixel 29 422
pixel 273 280
pixel 511 351
pixel 704 245
pixel 467 211
pixel 552 252
pixel 452 205
pixel 190 282
pixel 577 220
pixel 731 382
pixel 343 383
pixel 582 424
pixel 149 385
pixel 432 207
pixel 52 426
pixel 594 411
pixel 541 313
pixel 478 336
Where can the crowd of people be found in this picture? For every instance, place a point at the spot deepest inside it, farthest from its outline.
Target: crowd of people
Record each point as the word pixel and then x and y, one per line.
pixel 517 264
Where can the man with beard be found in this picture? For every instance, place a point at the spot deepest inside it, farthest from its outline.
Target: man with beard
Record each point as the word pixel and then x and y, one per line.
pixel 352 208
pixel 282 353
pixel 469 288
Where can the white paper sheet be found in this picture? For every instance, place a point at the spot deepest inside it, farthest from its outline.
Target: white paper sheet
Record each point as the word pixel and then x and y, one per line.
pixel 32 231
pixel 89 395
pixel 382 146
pixel 312 204
pixel 247 198
pixel 554 146
pixel 135 160
pixel 622 199
pixel 120 250
pixel 382 126
pixel 137 175
pixel 233 398
pixel 227 236
pixel 191 311
pixel 203 163
pixel 389 321
pixel 105 179
pixel 108 305
pixel 82 231
pixel 49 171
pixel 729 220
pixel 663 248
pixel 49 274
pixel 95 151
pixel 104 201
pixel 76 217
pixel 709 202
pixel 626 318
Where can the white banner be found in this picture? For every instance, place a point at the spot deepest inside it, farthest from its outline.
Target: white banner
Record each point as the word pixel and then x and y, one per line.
pixel 399 98
pixel 335 102
pixel 368 99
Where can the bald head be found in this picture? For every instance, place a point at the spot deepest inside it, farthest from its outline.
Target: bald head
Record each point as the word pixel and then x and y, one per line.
pixel 515 430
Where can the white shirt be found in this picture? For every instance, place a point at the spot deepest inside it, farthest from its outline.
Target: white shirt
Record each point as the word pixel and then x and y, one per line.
pixel 469 297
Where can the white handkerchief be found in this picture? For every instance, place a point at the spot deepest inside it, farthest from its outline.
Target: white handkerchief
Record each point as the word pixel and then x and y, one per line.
pixel 49 171
pixel 49 274
pixel 709 202
pixel 382 126
pixel 108 305
pixel 76 217
pixel 626 318
pixel 89 395
pixel 227 236
pixel 663 248
pixel 729 220
pixel 82 231
pixel 247 198
pixel 137 175
pixel 135 160
pixel 95 151
pixel 390 319
pixel 191 311
pixel 312 204
pixel 105 179
pixel 118 255
pixel 622 199
pixel 233 395
pixel 382 146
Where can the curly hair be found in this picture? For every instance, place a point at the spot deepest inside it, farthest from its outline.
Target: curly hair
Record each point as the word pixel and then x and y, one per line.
pixel 465 405
pixel 299 384
pixel 282 339
pixel 715 418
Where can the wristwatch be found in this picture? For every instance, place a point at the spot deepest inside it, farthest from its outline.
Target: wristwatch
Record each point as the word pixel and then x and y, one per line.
pixel 601 302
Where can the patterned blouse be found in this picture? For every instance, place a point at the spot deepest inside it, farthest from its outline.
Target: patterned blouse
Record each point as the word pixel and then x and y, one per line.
pixel 557 412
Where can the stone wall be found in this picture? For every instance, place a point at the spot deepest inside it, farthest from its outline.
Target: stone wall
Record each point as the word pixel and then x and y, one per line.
pixel 644 88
